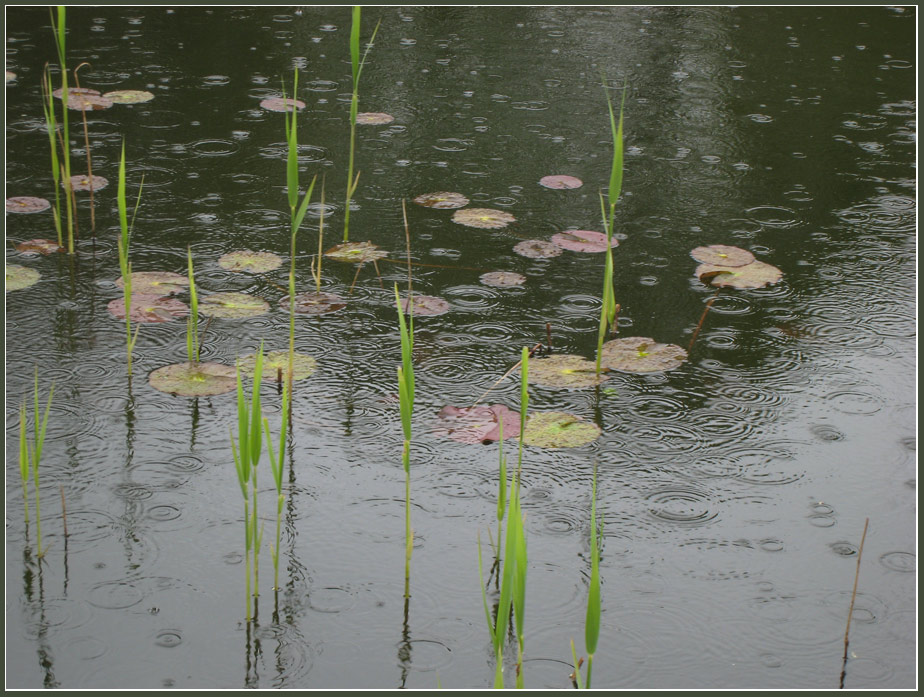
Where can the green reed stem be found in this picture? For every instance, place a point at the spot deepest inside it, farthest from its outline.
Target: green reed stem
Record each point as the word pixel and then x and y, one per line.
pixel 125 265
pixel 59 29
pixel 24 465
pixel 406 400
pixel 192 322
pixel 51 125
pixel 34 454
pixel 276 465
pixel 592 621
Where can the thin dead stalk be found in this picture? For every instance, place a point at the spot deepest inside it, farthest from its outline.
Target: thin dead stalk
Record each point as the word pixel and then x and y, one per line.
pixel 702 319
pixel 853 597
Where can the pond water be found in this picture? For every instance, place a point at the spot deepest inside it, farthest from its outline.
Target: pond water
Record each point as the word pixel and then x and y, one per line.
pixel 733 489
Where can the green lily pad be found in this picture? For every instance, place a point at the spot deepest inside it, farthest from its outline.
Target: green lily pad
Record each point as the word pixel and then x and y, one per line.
pixel 537 249
pixel 757 274
pixel 374 118
pixel 232 306
pixel 315 303
pixel 441 199
pixel 129 96
pixel 157 283
pixel 478 424
pixel 503 279
pixel 582 240
pixel 556 429
pixel 639 354
pixel 149 308
pixel 562 370
pixel 560 181
pixel 39 246
pixel 19 277
pixel 484 218
pixel 27 204
pixel 426 305
pixel 722 255
pixel 250 262
pixel 356 252
pixel 81 182
pixel 194 379
pixel 282 104
pixel 303 365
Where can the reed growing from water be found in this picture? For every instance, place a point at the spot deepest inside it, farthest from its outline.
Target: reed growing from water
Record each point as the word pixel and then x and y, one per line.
pixel 592 620
pixel 51 125
pixel 276 468
pixel 30 455
pixel 125 265
pixel 406 399
pixel 357 67
pixel 192 322
pixel 59 29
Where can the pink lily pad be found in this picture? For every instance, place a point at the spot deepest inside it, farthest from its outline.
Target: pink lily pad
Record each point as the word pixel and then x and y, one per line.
pixel 282 104
pixel 556 429
pixel 149 308
pixel 315 303
pixel 156 283
pixel 563 370
pixel 10 76
pixel 582 240
pixel 427 305
pixel 503 279
pixel 303 365
pixel 194 379
pixel 441 199
pixel 722 255
pixel 19 277
pixel 232 306
pixel 560 181
pixel 88 102
pixel 639 354
pixel 483 218
pixel 537 249
pixel 757 274
pixel 478 424
pixel 26 204
pixel 250 262
pixel 39 247
pixel 129 96
pixel 356 252
pixel 81 182
pixel 374 118
pixel 76 92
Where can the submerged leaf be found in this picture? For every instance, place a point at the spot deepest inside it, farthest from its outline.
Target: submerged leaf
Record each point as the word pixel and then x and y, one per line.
pixel 374 118
pixel 563 370
pixel 639 354
pixel 441 199
pixel 722 255
pixel 303 365
pixel 232 305
pixel 503 279
pixel 560 181
pixel 26 204
pixel 555 429
pixel 478 424
pixel 282 104
pixel 129 96
pixel 315 303
pixel 537 249
pixel 582 240
pixel 757 274
pixel 484 218
pixel 149 308
pixel 81 182
pixel 19 277
pixel 157 283
pixel 194 379
pixel 426 305
pixel 39 246
pixel 356 252
pixel 250 262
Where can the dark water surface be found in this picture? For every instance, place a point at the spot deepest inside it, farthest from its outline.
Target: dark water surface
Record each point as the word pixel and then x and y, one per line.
pixel 733 489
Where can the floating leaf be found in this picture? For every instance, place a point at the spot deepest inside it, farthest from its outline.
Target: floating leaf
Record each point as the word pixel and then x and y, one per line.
pixel 374 118
pixel 356 252
pixel 129 96
pixel 81 182
pixel 582 240
pixel 10 76
pixel 639 354
pixel 88 102
pixel 39 247
pixel 556 429
pixel 563 370
pixel 303 365
pixel 19 277
pixel 722 255
pixel 26 204
pixel 441 199
pixel 484 218
pixel 560 181
pixel 315 303
pixel 757 274
pixel 282 104
pixel 194 379
pixel 426 305
pixel 232 305
pixel 149 308
pixel 478 424
pixel 76 92
pixel 503 279
pixel 250 262
pixel 157 283
pixel 537 249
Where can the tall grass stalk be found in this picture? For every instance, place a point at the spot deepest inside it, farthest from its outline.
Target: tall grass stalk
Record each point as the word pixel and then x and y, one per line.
pixel 316 271
pixel 30 455
pixel 357 66
pixel 192 322
pixel 125 264
pixel 406 398
pixel 51 125
pixel 276 468
pixel 59 28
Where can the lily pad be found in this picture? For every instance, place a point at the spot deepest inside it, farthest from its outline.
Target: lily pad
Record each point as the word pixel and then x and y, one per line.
pixel 560 181
pixel 356 252
pixel 129 96
pixel 232 306
pixel 26 204
pixel 427 305
pixel 556 429
pixel 81 182
pixel 478 424
pixel 722 255
pixel 315 303
pixel 483 218
pixel 282 104
pixel 88 102
pixel 156 283
pixel 39 247
pixel 149 308
pixel 441 199
pixel 76 92
pixel 563 370
pixel 303 365
pixel 10 76
pixel 639 354
pixel 19 277
pixel 250 262
pixel 374 118
pixel 582 240
pixel 537 249
pixel 503 279
pixel 757 274
pixel 194 379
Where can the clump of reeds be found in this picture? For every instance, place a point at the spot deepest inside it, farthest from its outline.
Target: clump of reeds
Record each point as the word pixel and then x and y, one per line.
pixel 357 66
pixel 406 399
pixel 30 455
pixel 59 29
pixel 51 125
pixel 592 621
pixel 125 264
